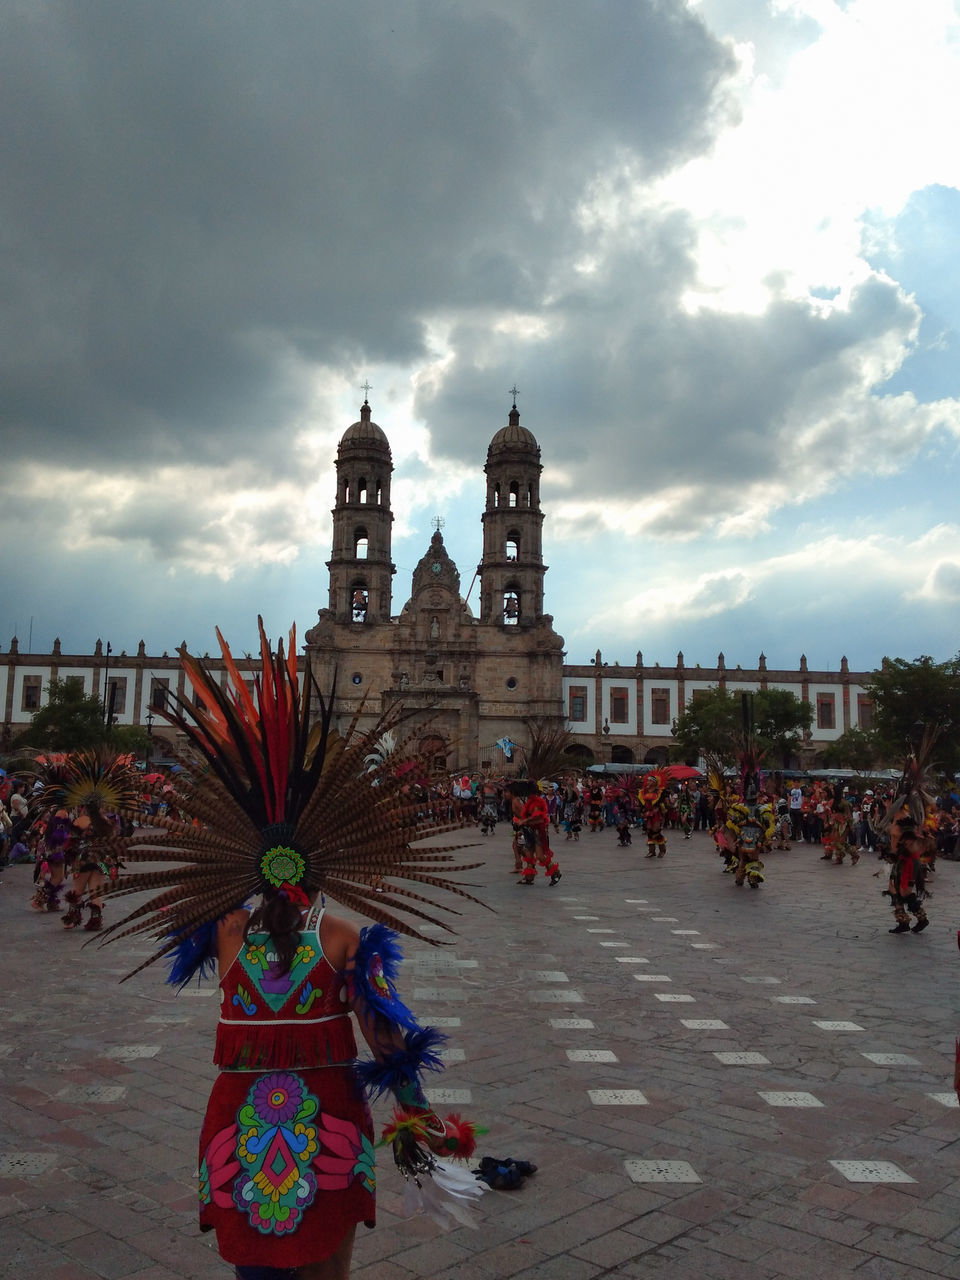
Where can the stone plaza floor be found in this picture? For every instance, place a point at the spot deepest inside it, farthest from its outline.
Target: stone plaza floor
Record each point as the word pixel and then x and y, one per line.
pixel 713 1081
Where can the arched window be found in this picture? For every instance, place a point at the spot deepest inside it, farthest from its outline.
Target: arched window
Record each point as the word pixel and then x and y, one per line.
pixel 360 543
pixel 359 601
pixel 379 492
pixel 511 607
pixel 529 495
pixel 514 494
pixel 496 494
pixel 362 489
pixel 513 544
pixel 346 489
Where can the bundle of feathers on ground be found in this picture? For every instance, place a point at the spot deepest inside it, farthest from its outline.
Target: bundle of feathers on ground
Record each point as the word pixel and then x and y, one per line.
pixel 263 788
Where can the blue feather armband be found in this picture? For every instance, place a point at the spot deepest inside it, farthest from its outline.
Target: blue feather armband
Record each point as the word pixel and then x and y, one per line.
pixel 373 978
pixel 401 1068
pixel 195 955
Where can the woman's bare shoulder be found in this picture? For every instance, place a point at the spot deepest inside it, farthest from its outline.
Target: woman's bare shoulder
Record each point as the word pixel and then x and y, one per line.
pixel 339 938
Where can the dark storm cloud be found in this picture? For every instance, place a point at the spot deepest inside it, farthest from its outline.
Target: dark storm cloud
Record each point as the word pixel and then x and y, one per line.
pixel 201 202
pixel 632 393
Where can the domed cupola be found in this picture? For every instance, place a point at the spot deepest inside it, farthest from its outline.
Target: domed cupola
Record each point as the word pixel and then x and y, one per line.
pixel 360 566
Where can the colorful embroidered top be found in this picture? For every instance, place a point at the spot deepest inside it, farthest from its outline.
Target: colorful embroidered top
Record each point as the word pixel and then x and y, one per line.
pixel 297 1019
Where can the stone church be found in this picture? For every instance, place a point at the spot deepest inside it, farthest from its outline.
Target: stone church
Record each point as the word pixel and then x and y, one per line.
pixel 481 678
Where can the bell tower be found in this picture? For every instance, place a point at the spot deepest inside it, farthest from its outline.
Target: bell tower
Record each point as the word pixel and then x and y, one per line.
pixel 360 566
pixel 512 569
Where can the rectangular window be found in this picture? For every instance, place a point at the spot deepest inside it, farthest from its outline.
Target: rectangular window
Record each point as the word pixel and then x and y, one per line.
pixel 159 688
pixel 578 703
pixel 660 706
pixel 826 711
pixel 32 687
pixel 117 695
pixel 864 712
pixel 619 706
pixel 74 684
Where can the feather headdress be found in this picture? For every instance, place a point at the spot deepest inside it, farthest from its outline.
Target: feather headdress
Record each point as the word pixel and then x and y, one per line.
pixel 269 802
pixel 92 777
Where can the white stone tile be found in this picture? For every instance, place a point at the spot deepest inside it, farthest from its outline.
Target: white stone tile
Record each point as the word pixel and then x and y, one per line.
pixel 448 1096
pixel 705 946
pixel 945 1099
pixel 672 999
pixel 131 1052
pixel 793 1000
pixel 616 1097
pixel 791 1099
pixel 586 917
pixel 452 1055
pixel 601 931
pixel 572 1024
pixel 634 901
pixel 762 981
pixel 613 943
pixel 592 1055
pixel 93 1093
pixel 743 1059
pixel 686 933
pixel 652 977
pixel 660 1171
pixel 26 1164
pixel 549 975
pixel 556 996
pixel 444 1022
pixel 891 1059
pixel 646 910
pixel 704 1024
pixel 438 993
pixel 631 959
pixel 665 920
pixel 871 1171
pixel 198 992
pixel 837 1026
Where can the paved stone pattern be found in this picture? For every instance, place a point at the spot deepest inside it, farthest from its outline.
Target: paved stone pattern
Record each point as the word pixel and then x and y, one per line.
pixel 98 1124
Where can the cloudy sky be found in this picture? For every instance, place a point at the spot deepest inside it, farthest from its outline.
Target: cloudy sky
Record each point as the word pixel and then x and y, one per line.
pixel 716 245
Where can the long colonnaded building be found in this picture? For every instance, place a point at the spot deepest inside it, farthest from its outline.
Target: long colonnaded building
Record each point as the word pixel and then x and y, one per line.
pixel 482 678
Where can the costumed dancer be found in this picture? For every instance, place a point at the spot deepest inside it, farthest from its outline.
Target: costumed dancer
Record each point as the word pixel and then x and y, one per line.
pixel 595 812
pixel 650 795
pixel 52 854
pixel 283 815
pixel 488 807
pixel 686 806
pixel 532 827
pixel 88 783
pixel 838 828
pixel 783 827
pixel 907 839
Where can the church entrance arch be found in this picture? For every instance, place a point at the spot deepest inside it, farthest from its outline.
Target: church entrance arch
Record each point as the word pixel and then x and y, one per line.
pixel 656 755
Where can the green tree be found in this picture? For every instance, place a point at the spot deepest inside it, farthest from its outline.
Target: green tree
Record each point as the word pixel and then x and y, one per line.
pixel 912 696
pixel 860 749
pixel 713 723
pixel 70 720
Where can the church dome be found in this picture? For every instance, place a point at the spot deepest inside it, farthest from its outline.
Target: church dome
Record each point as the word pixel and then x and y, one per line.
pixel 513 435
pixel 365 432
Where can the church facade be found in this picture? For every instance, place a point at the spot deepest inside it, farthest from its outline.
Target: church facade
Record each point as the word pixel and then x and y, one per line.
pixel 481 679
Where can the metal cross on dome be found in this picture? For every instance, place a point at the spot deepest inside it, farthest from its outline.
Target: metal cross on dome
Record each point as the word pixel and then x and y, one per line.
pixel 439 523
pixel 514 391
pixel 366 389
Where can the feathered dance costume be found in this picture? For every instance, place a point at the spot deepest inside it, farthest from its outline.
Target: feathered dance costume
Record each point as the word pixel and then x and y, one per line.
pixel 908 839
pixel 272 807
pixel 650 796
pixel 92 784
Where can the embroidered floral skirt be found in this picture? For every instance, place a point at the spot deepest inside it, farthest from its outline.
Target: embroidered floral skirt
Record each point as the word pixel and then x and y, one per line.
pixel 286 1164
